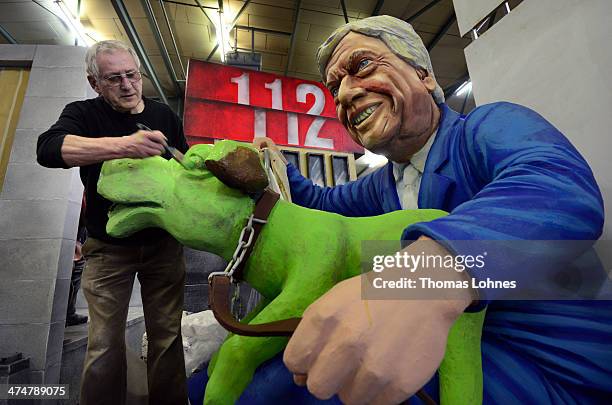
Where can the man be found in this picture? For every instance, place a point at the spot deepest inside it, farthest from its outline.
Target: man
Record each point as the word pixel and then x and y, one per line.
pixel 503 173
pixel 87 134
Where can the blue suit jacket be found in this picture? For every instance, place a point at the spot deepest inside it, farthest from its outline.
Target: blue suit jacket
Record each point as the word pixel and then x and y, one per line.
pixel 505 173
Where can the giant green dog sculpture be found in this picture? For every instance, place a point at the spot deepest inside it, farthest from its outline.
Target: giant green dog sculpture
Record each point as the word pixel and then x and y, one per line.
pixel 300 254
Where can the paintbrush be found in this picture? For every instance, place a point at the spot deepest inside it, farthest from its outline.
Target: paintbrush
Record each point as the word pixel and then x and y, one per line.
pixel 175 153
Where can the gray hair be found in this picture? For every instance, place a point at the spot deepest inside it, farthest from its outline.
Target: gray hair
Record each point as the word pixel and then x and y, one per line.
pixel 106 46
pixel 398 35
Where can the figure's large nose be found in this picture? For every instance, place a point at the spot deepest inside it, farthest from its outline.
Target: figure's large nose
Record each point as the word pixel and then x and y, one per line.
pixel 349 90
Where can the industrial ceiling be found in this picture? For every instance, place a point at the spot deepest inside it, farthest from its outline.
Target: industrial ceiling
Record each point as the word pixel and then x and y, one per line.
pixel 285 32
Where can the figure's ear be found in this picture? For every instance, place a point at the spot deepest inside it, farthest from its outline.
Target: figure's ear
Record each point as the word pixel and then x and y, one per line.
pixel 237 166
pixel 428 81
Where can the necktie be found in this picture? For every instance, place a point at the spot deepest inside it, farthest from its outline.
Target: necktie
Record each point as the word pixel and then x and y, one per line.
pixel 408 189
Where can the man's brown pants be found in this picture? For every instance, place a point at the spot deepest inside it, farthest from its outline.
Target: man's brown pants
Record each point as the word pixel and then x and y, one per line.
pixel 107 285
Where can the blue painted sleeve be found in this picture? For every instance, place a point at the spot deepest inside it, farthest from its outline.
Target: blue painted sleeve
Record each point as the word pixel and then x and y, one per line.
pixel 534 185
pixel 355 199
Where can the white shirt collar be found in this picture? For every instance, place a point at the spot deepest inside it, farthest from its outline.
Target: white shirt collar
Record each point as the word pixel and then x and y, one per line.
pixel 417 161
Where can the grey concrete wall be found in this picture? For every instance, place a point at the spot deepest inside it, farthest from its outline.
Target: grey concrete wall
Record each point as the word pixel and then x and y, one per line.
pixel 470 12
pixel 554 56
pixel 39 214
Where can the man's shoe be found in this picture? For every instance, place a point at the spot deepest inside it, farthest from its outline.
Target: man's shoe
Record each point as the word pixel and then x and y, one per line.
pixel 75 319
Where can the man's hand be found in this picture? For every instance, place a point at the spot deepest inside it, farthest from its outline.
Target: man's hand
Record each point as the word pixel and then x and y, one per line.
pixel 83 151
pixel 142 144
pixel 371 351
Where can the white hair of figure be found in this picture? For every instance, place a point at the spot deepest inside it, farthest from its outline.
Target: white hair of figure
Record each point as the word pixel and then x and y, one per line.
pixel 398 35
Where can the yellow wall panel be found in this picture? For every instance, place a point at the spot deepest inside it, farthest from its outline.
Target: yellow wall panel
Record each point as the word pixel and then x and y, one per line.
pixel 13 83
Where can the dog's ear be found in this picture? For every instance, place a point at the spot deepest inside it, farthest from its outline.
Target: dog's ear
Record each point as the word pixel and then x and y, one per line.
pixel 195 158
pixel 237 166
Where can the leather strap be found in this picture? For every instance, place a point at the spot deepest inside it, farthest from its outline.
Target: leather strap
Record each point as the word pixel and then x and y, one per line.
pixel 219 302
pixel 263 207
pixel 218 298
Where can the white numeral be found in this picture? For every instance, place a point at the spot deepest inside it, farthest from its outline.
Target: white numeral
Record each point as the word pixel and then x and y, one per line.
pixel 277 93
pixel 260 123
pixel 312 135
pixel 302 91
pixel 243 88
pixel 292 129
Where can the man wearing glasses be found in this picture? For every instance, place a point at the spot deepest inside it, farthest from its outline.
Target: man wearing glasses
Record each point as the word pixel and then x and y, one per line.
pixel 86 134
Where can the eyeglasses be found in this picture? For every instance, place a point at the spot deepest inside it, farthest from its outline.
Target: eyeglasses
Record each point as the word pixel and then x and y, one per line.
pixel 116 80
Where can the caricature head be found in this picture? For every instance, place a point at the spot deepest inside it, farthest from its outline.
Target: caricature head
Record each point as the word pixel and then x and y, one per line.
pixel 113 71
pixel 380 75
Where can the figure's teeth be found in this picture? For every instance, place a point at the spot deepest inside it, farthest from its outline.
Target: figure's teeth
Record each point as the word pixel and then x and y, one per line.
pixel 363 115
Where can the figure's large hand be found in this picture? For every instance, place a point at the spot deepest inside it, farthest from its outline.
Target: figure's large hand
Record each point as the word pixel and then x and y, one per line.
pixel 142 144
pixel 370 351
pixel 262 142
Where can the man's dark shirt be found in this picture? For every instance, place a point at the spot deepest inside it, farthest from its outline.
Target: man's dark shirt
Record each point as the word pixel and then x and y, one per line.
pixel 95 118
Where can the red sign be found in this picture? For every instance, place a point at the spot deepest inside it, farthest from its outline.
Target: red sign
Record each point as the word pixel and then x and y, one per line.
pixel 225 102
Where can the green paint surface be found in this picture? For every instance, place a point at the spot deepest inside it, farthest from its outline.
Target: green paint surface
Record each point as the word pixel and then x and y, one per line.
pixel 300 255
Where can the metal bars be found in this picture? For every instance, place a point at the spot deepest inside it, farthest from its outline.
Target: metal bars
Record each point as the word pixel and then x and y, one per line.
pixel 124 17
pixel 296 17
pixel 161 44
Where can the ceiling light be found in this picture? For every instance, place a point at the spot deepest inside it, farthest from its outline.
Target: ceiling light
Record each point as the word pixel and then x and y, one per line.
pixel 221 36
pixel 222 31
pixel 465 87
pixel 73 23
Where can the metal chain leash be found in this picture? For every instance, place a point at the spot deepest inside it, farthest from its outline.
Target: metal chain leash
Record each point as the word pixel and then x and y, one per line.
pixel 244 242
pixel 240 250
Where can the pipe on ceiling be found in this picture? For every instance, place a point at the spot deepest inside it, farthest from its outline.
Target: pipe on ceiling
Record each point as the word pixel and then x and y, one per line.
pixel 343 4
pixel 127 24
pixel 204 11
pixel 422 10
pixel 7 35
pixel 296 17
pixel 161 44
pixel 178 54
pixel 451 20
pixel 377 7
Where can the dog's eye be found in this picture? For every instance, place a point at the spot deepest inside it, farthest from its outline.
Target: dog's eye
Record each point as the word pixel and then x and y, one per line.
pixel 195 162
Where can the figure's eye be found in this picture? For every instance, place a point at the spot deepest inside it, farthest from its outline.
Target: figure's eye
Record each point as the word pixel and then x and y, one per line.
pixel 334 91
pixel 363 64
